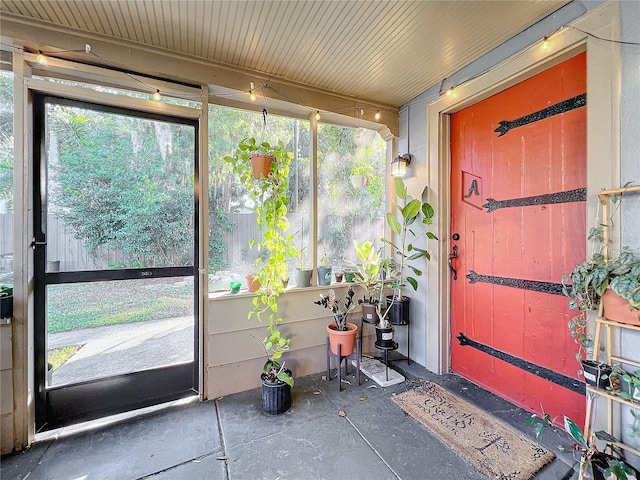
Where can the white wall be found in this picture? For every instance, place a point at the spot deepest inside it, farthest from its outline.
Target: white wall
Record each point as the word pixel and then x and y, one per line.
pixel 630 162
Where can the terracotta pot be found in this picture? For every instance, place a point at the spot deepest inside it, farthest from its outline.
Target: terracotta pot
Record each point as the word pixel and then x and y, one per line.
pixel 261 166
pixel 253 284
pixel 346 339
pixel 618 309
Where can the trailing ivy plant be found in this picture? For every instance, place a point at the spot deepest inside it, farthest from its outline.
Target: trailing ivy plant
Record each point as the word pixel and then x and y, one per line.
pixel 270 199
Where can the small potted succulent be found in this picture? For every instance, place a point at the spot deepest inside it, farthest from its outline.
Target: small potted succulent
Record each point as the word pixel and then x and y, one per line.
pixel 340 330
pixel 324 269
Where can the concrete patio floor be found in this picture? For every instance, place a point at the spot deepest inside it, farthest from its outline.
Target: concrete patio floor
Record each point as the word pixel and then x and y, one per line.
pixel 230 438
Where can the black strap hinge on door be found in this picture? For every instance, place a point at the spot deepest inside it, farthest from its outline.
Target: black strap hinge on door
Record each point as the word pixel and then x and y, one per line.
pixel 542 372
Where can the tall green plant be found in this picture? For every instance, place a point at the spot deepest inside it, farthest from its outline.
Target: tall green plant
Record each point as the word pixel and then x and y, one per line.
pixel 404 250
pixel 270 199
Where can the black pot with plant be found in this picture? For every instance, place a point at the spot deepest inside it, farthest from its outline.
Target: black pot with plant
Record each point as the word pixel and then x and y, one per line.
pixel 603 465
pixel 405 251
pixel 596 373
pixel 6 302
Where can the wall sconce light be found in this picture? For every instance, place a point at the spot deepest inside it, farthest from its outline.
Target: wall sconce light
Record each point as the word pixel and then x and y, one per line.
pixel 358 180
pixel 400 164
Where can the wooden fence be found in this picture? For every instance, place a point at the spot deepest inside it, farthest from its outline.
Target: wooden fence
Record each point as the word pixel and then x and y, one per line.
pixel 72 254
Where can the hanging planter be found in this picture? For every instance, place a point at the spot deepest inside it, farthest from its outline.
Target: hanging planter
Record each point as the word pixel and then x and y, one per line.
pixel 261 166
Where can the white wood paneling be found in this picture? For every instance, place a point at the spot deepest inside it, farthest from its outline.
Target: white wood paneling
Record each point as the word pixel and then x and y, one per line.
pixel 385 52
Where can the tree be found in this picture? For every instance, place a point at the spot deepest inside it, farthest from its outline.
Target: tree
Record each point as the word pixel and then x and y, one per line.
pixel 124 183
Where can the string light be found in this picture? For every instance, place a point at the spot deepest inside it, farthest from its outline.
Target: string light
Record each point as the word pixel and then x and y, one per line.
pixel 252 96
pixel 450 92
pixel 318 115
pixel 545 44
pixel 40 58
pixel 377 115
pixel 156 96
pixel 361 111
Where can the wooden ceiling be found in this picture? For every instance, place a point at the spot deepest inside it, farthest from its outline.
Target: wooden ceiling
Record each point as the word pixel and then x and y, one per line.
pixel 385 52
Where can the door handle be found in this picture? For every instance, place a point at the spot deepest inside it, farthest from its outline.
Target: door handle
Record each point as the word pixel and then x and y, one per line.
pixel 451 257
pixel 35 244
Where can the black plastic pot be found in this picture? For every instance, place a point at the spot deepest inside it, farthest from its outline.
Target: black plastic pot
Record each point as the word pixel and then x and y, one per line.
pixel 399 312
pixel 593 372
pixel 599 463
pixel 6 306
pixel 384 337
pixel 276 397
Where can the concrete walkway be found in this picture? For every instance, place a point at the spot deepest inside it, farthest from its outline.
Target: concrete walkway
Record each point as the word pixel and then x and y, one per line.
pixel 128 347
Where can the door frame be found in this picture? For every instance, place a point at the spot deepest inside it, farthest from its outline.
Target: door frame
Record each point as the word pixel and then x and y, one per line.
pixel 603 133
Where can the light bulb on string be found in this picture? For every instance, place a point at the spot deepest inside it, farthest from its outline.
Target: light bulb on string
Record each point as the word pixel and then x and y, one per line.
pixel 377 115
pixel 450 92
pixel 156 96
pixel 318 115
pixel 361 111
pixel 545 44
pixel 40 58
pixel 252 96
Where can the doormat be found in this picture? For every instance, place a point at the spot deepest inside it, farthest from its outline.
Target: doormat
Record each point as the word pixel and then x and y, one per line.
pixel 495 449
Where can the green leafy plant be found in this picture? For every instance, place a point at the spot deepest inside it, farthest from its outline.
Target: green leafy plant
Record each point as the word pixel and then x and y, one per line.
pixel 270 199
pixel 367 274
pixel 411 211
pixel 590 279
pixel 614 466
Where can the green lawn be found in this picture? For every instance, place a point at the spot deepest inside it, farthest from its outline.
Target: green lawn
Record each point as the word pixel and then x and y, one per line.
pixel 85 305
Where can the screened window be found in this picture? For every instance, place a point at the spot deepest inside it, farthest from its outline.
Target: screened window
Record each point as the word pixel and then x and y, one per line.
pixel 351 192
pixel 232 222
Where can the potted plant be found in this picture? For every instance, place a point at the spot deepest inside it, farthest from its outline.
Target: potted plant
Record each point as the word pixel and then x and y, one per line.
pixel 260 156
pixel 603 466
pixel 615 281
pixel 303 274
pixel 270 199
pixel 324 269
pixel 368 278
pixel 626 384
pixel 6 302
pixel 340 330
pixel 404 250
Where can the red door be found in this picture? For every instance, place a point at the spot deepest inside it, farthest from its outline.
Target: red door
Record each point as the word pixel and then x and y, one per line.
pixel 518 224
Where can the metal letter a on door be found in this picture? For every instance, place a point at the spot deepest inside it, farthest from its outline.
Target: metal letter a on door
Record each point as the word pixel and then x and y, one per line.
pixel 472 190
